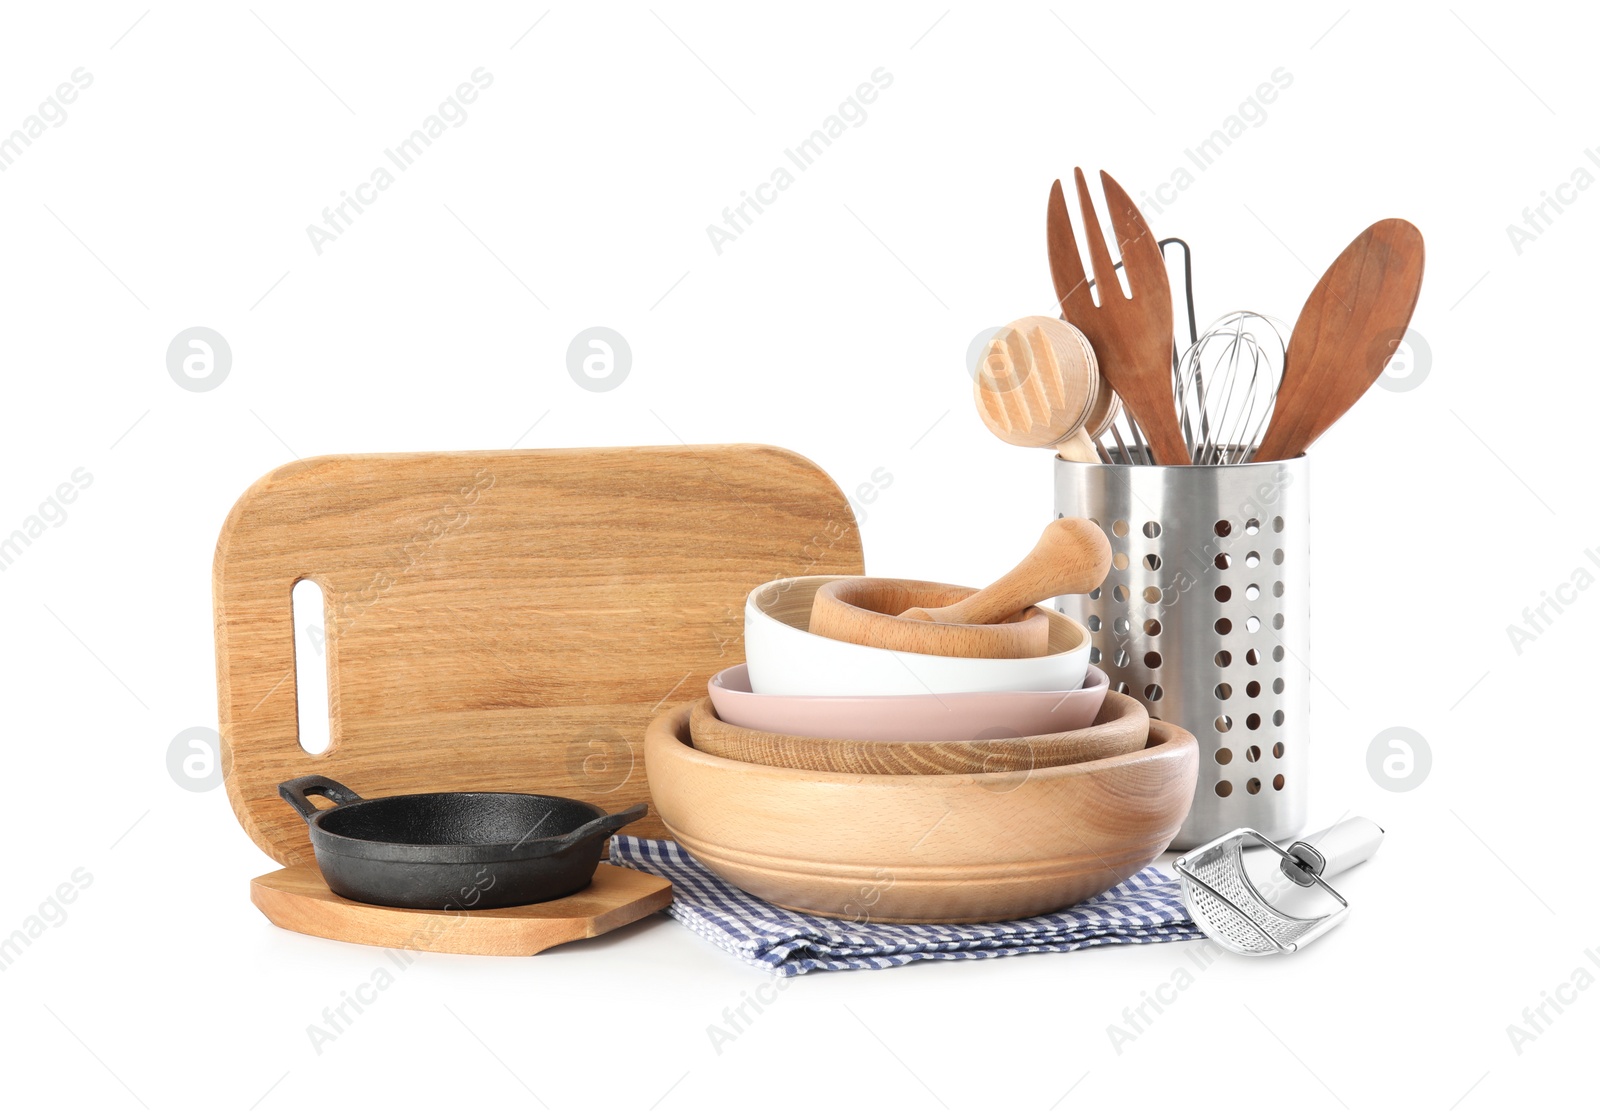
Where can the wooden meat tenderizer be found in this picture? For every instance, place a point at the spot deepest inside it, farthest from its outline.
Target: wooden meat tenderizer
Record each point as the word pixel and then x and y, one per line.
pixel 1039 385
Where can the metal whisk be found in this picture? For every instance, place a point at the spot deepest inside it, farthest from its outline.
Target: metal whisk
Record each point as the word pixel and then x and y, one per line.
pixel 1226 384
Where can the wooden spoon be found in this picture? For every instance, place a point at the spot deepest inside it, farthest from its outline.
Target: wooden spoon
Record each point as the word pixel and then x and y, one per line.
pixel 1345 336
pixel 1071 558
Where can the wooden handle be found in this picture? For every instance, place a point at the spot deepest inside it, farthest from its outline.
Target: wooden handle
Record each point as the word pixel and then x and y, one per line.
pixel 1078 448
pixel 1071 558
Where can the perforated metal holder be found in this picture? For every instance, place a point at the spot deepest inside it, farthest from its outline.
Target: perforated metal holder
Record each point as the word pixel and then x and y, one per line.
pixel 1204 617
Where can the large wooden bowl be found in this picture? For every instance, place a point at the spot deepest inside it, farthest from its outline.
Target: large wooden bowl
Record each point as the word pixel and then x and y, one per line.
pixel 946 848
pixel 1122 726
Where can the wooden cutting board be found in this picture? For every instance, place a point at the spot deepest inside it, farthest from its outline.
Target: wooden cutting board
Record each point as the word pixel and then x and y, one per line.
pixel 499 620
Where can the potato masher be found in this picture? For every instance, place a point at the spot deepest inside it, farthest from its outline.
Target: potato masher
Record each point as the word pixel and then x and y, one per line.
pixel 1240 915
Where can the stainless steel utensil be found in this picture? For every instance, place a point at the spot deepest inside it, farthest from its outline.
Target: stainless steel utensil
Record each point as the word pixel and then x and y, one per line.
pixel 1226 385
pixel 1245 916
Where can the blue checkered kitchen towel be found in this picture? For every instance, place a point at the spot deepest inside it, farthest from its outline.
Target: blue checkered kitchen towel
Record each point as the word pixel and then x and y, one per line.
pixel 1146 908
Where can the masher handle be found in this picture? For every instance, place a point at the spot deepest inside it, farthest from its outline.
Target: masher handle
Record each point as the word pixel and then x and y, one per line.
pixel 1071 558
pixel 1333 850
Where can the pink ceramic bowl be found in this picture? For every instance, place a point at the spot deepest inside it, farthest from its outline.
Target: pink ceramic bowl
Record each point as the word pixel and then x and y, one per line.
pixel 912 719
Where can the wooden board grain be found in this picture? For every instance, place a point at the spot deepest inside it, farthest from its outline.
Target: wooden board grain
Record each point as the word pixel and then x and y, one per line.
pixel 499 620
pixel 296 898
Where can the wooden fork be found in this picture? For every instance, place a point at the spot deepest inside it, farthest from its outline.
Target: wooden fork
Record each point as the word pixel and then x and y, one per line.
pixel 1131 335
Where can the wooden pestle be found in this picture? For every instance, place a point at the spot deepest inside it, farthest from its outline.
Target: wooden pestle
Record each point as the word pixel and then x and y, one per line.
pixel 1071 558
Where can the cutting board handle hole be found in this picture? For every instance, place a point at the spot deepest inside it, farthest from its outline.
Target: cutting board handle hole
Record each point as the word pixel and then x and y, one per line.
pixel 311 665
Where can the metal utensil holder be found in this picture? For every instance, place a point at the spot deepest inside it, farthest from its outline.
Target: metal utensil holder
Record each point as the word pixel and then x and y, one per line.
pixel 1204 617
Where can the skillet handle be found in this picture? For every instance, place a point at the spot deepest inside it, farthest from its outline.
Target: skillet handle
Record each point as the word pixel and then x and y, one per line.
pixel 605 826
pixel 295 794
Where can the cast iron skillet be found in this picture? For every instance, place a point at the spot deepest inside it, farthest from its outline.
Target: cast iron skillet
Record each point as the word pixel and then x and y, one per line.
pixel 453 851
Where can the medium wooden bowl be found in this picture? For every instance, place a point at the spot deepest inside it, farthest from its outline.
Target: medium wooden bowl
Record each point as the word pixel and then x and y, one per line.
pixel 908 848
pixel 864 611
pixel 1122 726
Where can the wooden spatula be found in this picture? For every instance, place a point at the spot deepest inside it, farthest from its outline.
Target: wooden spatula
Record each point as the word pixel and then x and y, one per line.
pixel 1071 558
pixel 1345 336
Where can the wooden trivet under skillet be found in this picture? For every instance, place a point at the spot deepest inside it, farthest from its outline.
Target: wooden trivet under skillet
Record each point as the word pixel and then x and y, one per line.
pixel 295 898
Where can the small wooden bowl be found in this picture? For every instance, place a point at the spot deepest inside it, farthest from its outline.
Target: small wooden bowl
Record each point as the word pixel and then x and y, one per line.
pixel 863 611
pixel 914 848
pixel 1122 726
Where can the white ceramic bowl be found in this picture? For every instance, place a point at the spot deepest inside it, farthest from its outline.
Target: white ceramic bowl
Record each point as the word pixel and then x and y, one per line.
pixel 785 659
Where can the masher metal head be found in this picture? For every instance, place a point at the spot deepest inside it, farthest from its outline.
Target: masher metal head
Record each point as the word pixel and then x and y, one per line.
pixel 1231 910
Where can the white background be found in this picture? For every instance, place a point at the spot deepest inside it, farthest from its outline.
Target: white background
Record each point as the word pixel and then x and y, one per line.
pixel 577 192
